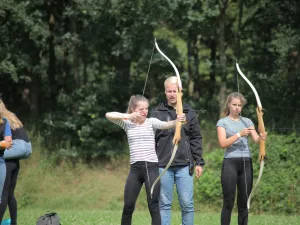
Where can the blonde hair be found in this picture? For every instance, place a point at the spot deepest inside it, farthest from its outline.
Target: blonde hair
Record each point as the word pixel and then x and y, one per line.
pixel 229 99
pixel 11 117
pixel 171 80
pixel 134 100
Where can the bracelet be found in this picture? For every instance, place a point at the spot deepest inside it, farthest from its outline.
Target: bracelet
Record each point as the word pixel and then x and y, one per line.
pixel 3 144
pixel 238 134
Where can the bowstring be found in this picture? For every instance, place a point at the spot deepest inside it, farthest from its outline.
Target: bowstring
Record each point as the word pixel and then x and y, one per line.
pixel 246 183
pixel 147 75
pixel 148 70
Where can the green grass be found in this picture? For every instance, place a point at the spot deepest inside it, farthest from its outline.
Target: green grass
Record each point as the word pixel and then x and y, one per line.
pixel 82 195
pixel 103 217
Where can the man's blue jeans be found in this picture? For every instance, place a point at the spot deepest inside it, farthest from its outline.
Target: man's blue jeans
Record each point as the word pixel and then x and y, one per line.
pixel 184 185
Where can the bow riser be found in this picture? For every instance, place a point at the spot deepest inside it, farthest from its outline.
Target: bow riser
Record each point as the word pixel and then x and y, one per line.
pixel 261 129
pixel 179 111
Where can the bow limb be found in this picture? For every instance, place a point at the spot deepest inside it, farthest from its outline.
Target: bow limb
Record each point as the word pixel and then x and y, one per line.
pixel 179 111
pixel 173 65
pixel 261 129
pixel 261 168
pixel 164 171
pixel 259 112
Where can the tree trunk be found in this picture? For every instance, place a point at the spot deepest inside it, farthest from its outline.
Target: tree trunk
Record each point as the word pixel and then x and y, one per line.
pixel 193 64
pixel 223 60
pixel 75 54
pixel 34 96
pixel 238 39
pixel 120 86
pixel 72 78
pixel 212 74
pixel 52 63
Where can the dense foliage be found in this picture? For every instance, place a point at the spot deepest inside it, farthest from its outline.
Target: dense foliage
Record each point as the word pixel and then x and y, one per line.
pixel 65 63
pixel 278 190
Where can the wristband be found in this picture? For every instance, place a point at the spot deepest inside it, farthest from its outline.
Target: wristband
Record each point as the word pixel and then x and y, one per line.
pixel 238 134
pixel 3 144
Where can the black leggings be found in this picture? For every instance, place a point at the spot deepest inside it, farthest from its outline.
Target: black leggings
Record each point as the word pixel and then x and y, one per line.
pixel 138 175
pixel 236 173
pixel 8 196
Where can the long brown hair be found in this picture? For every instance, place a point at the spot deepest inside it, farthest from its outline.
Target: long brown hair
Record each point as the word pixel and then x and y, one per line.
pixel 229 99
pixel 134 100
pixel 11 117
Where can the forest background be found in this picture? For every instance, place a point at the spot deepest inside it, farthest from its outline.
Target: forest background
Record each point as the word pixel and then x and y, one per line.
pixel 65 63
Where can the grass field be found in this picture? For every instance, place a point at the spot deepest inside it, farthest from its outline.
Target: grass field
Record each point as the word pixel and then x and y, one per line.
pixel 100 217
pixel 84 195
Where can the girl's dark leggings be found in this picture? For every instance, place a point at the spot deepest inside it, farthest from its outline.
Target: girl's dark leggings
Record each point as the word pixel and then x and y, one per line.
pixel 8 196
pixel 237 174
pixel 140 173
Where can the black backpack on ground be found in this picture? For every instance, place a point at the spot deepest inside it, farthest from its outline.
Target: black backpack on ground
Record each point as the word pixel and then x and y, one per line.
pixel 50 218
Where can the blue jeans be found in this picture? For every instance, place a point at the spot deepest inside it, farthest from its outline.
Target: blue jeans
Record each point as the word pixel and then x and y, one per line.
pixel 184 185
pixel 20 150
pixel 2 174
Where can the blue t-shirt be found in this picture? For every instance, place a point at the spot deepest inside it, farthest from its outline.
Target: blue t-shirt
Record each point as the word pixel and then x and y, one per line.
pixel 240 148
pixel 4 131
pixel 7 131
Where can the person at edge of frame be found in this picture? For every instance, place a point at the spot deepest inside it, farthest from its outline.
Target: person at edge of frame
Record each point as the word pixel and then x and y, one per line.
pixel 5 143
pixel 20 149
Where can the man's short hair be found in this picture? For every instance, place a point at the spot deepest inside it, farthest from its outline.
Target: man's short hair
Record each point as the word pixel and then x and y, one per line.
pixel 171 80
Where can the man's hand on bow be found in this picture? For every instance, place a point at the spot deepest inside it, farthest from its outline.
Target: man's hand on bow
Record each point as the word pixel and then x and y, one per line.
pixel 181 118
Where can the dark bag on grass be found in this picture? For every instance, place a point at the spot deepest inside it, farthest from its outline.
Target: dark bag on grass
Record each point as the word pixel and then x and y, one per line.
pixel 50 218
